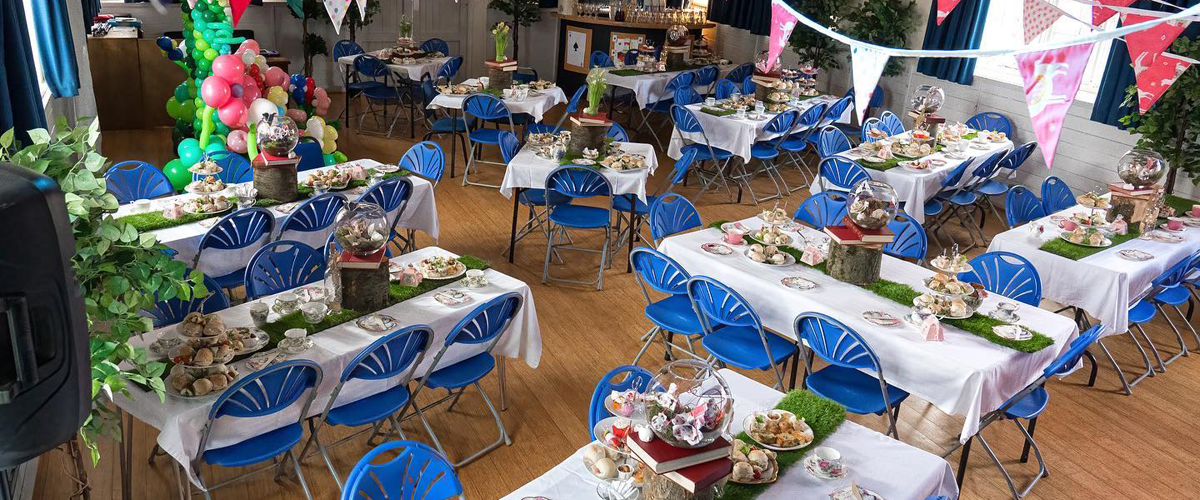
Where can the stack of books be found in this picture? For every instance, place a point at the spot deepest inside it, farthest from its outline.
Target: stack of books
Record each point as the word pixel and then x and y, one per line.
pixel 850 233
pixel 266 160
pixel 348 260
pixel 694 469
pixel 1132 191
pixel 585 120
pixel 506 65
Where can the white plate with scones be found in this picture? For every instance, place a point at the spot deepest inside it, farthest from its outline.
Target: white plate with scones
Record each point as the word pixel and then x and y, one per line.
pixel 778 430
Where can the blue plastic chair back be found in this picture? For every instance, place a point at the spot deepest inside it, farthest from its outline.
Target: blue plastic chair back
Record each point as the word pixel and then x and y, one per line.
pixel 487 321
pixel 1174 275
pixel 509 145
pixel 1021 206
pixel 806 125
pixel 282 265
pixel 425 159
pixel 576 98
pixel 345 48
pixel 990 120
pixel 235 168
pixel 450 68
pixel 436 45
pixel 267 391
pixel 705 76
pixel 1015 158
pixel 371 67
pixel 1066 361
pixel 910 242
pixel 871 124
pixel 310 156
pixel 1056 195
pixel 672 214
pixel 428 94
pixel 740 73
pixel 831 141
pixel 836 110
pixel 315 214
pixel 486 107
pixel 716 303
pixel 955 175
pixel 826 208
pixel 687 95
pixel 239 229
pixel 842 173
pixel 835 342
pixel 780 125
pixel 679 81
pixel 618 133
pixel 682 166
pixel 984 172
pixel 685 120
pixel 631 56
pixel 390 194
pixel 748 86
pixel 660 272
pixel 891 123
pixel 390 355
pixel 578 182
pixel 630 377
pixel 417 473
pixel 601 59
pixel 1007 274
pixel 136 180
pixel 725 88
pixel 173 310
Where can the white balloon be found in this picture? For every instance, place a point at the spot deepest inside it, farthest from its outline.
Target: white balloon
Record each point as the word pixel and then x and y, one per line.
pixel 314 128
pixel 247 57
pixel 260 107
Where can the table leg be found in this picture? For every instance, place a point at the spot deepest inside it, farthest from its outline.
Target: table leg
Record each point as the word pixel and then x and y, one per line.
pixel 632 231
pixel 512 237
pixel 453 138
pixel 962 462
pixel 126 456
pixel 346 79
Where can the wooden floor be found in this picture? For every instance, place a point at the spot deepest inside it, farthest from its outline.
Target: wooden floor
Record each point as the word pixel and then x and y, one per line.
pixel 1098 443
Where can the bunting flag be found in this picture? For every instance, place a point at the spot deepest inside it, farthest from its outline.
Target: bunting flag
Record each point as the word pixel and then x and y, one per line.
pixel 1052 78
pixel 1153 40
pixel 191 4
pixel 362 8
pixel 783 20
pixel 1155 72
pixel 1101 13
pixel 943 9
pixel 238 7
pixel 866 66
pixel 337 11
pixel 1039 15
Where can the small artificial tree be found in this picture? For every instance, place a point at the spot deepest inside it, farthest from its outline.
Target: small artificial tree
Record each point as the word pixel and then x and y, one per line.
pixel 314 44
pixel 1172 126
pixel 522 12
pixel 887 23
pixel 356 22
pixel 815 48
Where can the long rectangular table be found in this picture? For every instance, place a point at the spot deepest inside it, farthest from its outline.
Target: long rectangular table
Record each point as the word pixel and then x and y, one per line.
pixel 407 74
pixel 649 88
pixel 964 375
pixel 891 468
pixel 736 135
pixel 180 421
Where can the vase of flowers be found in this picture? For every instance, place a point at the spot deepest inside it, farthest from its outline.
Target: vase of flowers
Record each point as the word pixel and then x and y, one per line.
pixel 501 68
pixel 589 126
pixel 405 39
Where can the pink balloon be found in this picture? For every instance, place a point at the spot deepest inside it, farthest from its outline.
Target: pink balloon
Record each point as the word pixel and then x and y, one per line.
pixel 320 93
pixel 233 114
pixel 229 67
pixel 236 141
pixel 250 44
pixel 215 91
pixel 321 110
pixel 250 90
pixel 297 115
pixel 275 77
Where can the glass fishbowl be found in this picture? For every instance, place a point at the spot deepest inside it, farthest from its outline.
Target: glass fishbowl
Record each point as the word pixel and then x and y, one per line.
pixel 277 136
pixel 1141 167
pixel 872 204
pixel 689 405
pixel 928 99
pixel 361 228
pixel 677 34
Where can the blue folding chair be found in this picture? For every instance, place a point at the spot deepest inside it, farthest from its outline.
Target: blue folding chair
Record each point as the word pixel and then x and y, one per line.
pixel 282 265
pixel 797 141
pixel 418 472
pixel 436 45
pixel 748 85
pixel 732 331
pixel 634 211
pixel 672 214
pixel 666 104
pixel 1056 195
pixel 534 198
pixel 834 113
pixel 686 96
pixel 1029 404
pixel 173 310
pixel 455 126
pixel 766 151
pixel 1021 206
pixel 482 326
pixel 385 95
pixel 845 380
pixel 631 56
pixel 235 168
pixel 910 241
pixel 831 141
pixel 631 377
pixel 990 120
pixel 260 394
pixel 725 88
pixel 236 231
pixel 1168 289
pixel 136 180
pixel 964 199
pixel 425 159
pixel 672 314
pixel 577 182
pixel 740 73
pixel 572 106
pixel 600 59
pixel 484 107
pixel 838 173
pixel 871 126
pixel 938 206
pixel 310 156
pixel 687 123
pixel 826 208
pixel 394 356
pixel 705 78
pixel 1007 274
pixel 1010 163
pixel 352 80
pixel 891 123
pixel 449 70
pixel 315 214
pixel 618 133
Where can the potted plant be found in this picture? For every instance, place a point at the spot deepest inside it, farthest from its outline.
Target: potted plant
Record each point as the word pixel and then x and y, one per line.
pixel 817 49
pixel 1172 126
pixel 355 22
pixel 887 23
pixel 314 44
pixel 523 13
pixel 501 68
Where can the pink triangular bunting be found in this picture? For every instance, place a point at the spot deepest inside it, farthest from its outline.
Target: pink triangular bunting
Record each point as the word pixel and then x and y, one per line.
pixel 1052 78
pixel 1155 74
pixel 238 7
pixel 1153 40
pixel 1101 13
pixel 1039 15
pixel 944 7
pixel 783 20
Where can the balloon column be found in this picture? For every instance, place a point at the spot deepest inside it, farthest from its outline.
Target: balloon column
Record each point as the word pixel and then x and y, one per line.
pixel 229 88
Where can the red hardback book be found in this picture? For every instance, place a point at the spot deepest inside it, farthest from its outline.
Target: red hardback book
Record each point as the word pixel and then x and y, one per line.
pixel 701 476
pixel 266 160
pixel 881 235
pixel 597 120
pixel 844 235
pixel 507 65
pixel 373 261
pixel 661 457
pixel 1120 188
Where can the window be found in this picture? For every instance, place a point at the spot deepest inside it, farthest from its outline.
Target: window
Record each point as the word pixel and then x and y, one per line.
pixel 1005 24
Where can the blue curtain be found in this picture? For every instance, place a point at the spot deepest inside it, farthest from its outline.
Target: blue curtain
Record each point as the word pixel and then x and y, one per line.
pixel 753 15
pixel 56 47
pixel 963 29
pixel 1118 74
pixel 20 100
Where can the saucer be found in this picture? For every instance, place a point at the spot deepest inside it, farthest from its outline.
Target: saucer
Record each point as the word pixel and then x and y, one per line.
pixel 1012 332
pixel 295 346
pixel 1169 230
pixel 1135 255
pixel 716 248
pixel 1166 237
pixel 880 318
pixel 798 283
pixel 1012 318
pixel 810 465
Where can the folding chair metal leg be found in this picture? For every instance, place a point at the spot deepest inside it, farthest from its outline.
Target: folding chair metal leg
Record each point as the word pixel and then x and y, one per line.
pixel 328 463
pixel 649 338
pixel 1120 373
pixel 1188 323
pixel 300 476
pixel 1183 351
pixel 503 383
pixel 504 439
pixel 1162 367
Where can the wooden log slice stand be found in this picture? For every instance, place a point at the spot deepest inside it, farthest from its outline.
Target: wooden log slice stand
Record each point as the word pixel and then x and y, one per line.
pixel 854 264
pixel 276 178
pixel 675 57
pixel 586 135
pixel 365 290
pixel 659 487
pixel 500 74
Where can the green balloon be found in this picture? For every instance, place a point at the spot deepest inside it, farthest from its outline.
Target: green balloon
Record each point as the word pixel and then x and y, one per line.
pixel 198 15
pixel 199 25
pixel 190 152
pixel 204 64
pixel 173 108
pixel 177 174
pixel 221 128
pixel 340 156
pixel 211 54
pixel 187 111
pixel 200 45
pixel 329 160
pixel 214 146
pixel 181 93
pixel 197 123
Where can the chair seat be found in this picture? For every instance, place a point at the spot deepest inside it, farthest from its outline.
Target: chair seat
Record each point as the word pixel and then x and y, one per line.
pixel 579 216
pixel 360 86
pixel 741 346
pixel 934 207
pixel 765 150
pixel 675 314
pixel 1177 295
pixel 857 391
pixel 537 198
pixel 485 135
pixel 621 204
pixel 371 408
pixel 1029 406
pixel 703 153
pixel 449 125
pixel 964 198
pixel 1141 312
pixel 384 93
pixel 462 373
pixel 543 128
pixel 793 144
pixel 256 449
pixel 993 188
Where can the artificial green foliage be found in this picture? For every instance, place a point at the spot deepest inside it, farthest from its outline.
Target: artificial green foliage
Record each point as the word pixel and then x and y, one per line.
pixel 1180 204
pixel 887 23
pixel 522 13
pixel 823 415
pixel 314 44
pixel 627 72
pixel 119 269
pixel 815 48
pixel 1064 248
pixel 1172 126
pixel 357 22
pixel 717 111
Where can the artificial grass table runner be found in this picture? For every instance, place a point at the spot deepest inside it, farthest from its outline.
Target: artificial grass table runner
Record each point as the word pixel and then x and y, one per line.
pixel 1064 248
pixel 823 415
pixel 977 324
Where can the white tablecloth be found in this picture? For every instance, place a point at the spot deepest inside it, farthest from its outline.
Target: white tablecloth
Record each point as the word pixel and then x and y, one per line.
pixel 915 188
pixel 535 106
pixel 649 88
pixel 180 421
pixel 426 66
pixel 1103 284
pixel 965 375
pixel 527 170
pixel 730 133
pixel 421 213
pixel 891 468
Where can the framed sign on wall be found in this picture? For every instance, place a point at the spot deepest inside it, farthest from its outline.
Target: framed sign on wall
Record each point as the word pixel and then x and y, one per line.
pixel 577 50
pixel 619 43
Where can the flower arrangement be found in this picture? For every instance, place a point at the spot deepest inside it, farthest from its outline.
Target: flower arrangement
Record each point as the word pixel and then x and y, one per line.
pixel 406 26
pixel 595 90
pixel 500 33
pixel 683 419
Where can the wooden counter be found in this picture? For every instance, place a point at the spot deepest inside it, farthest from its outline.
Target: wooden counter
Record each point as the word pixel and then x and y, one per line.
pixel 580 36
pixel 132 81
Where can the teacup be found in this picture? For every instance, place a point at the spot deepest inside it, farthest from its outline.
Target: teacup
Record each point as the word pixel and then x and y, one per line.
pixel 710 102
pixel 258 313
pixel 314 312
pixel 741 114
pixel 475 278
pixel 1195 211
pixel 1006 310
pixel 734 237
pixel 294 341
pixel 1068 225
pixel 625 472
pixel 287 303
pixel 828 461
pixel 1175 224
pixel 142 205
pixel 507 93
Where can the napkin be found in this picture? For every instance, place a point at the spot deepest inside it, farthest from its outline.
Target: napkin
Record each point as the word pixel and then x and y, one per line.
pixel 932 328
pixel 812 255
